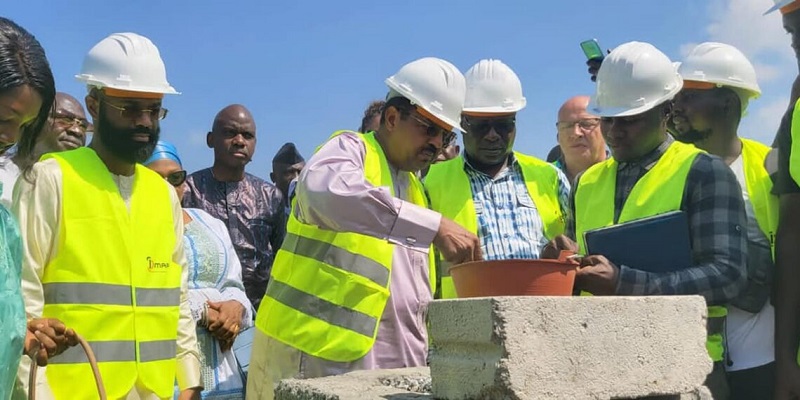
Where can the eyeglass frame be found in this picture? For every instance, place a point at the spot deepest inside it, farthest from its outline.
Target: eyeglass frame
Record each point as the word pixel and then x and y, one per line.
pixel 70 120
pixel 571 125
pixel 162 112
pixel 490 121
pixel 183 175
pixel 432 130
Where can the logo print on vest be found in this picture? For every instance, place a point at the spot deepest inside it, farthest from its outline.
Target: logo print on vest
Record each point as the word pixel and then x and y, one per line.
pixel 155 266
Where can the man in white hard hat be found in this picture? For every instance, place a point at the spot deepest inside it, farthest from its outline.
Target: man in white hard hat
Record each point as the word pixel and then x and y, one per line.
pixel 103 249
pixel 515 203
pixel 787 251
pixel 350 285
pixel 579 138
pixel 650 174
pixel 718 83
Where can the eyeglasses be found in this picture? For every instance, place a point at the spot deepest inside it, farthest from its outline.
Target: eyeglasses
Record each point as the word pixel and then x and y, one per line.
pixel 69 120
pixel 132 112
pixel 176 178
pixel 432 130
pixel 586 124
pixel 482 126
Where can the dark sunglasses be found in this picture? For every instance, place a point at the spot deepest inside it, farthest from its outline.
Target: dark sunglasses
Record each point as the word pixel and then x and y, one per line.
pixel 482 126
pixel 176 178
pixel 432 130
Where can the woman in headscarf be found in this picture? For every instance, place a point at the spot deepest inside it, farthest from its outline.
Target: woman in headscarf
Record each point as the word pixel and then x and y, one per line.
pixel 216 293
pixel 27 91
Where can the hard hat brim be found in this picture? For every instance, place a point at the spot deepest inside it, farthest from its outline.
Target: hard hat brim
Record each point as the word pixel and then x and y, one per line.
pixel 778 6
pixel 88 80
pixel 399 90
pixel 494 110
pixel 611 112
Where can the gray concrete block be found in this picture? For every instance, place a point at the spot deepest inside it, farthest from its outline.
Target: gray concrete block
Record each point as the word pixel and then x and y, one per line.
pixel 385 384
pixel 568 347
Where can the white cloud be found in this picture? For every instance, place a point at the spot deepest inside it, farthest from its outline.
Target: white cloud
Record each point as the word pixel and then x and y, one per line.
pixel 763 118
pixel 761 38
pixel 769 72
pixel 687 48
pixel 741 23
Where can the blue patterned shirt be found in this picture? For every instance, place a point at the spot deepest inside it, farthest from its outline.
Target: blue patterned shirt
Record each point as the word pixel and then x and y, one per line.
pixel 509 225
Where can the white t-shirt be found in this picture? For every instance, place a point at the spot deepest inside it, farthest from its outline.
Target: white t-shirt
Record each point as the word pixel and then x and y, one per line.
pixel 750 336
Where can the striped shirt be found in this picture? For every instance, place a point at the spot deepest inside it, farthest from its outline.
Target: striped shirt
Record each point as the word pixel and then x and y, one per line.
pixel 509 225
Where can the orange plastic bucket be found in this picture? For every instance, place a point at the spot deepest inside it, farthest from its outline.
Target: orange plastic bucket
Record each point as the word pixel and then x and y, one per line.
pixel 515 277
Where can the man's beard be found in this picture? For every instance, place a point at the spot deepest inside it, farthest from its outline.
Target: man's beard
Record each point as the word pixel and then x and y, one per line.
pixel 692 136
pixel 119 141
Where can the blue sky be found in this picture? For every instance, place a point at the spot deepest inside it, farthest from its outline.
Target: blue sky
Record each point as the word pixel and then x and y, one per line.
pixel 306 69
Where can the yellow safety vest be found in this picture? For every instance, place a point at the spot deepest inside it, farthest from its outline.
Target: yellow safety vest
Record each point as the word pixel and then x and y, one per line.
pixel 759 188
pixel 659 191
pixel 328 289
pixel 113 280
pixel 450 194
pixel 794 152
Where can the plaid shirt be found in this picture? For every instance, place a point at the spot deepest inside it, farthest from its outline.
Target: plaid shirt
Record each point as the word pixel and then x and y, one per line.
pixel 509 225
pixel 712 200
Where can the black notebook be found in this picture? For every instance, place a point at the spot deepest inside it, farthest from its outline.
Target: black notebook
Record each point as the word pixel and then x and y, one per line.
pixel 654 244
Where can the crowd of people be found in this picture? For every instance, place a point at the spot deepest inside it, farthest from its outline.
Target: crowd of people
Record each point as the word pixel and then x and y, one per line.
pixel 218 284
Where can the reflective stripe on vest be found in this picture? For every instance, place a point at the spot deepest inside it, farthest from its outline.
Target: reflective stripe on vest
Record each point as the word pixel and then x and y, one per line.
pixel 113 280
pixel 119 350
pixel 660 190
pixel 448 187
pixel 100 293
pixel 327 290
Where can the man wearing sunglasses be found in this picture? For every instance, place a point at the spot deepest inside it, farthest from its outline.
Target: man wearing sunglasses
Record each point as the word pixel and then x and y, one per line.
pixel 515 203
pixel 104 250
pixel 350 285
pixel 65 130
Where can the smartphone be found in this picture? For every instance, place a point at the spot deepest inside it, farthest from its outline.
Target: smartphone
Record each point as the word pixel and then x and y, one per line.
pixel 592 49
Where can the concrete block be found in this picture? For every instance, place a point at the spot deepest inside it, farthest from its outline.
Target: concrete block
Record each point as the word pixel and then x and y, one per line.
pixel 392 384
pixel 519 348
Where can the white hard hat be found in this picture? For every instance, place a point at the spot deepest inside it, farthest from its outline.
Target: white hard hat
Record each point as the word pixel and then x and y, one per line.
pixel 434 85
pixel 126 61
pixel 722 65
pixel 778 5
pixel 492 87
pixel 634 78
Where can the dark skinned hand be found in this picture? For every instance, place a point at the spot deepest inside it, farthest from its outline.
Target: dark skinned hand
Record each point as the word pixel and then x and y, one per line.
pixel 223 321
pixel 597 276
pixel 552 249
pixel 47 337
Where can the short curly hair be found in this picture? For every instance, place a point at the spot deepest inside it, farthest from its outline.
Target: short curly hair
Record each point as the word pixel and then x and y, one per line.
pixel 374 108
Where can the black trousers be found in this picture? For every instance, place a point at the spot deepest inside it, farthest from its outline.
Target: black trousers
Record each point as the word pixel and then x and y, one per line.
pixel 752 384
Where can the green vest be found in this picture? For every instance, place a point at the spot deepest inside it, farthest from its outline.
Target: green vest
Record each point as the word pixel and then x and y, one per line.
pixel 759 188
pixel 113 280
pixel 659 191
pixel 794 152
pixel 327 290
pixel 450 194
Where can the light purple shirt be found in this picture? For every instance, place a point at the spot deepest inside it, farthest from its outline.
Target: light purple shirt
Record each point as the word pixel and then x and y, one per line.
pixel 333 193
